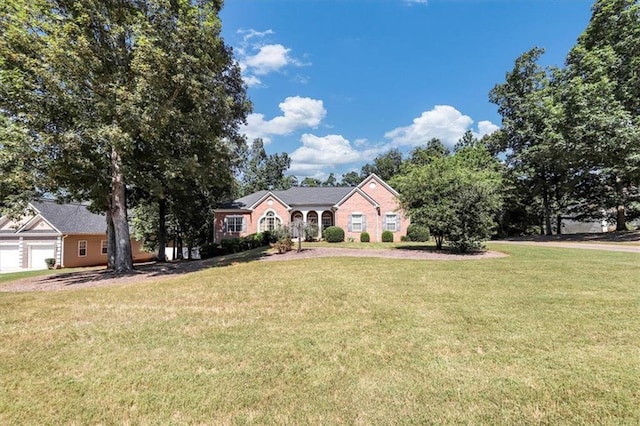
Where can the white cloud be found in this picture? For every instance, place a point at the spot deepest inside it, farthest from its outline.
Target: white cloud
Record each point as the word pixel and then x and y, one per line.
pixel 252 80
pixel 443 122
pixel 269 58
pixel 257 57
pixel 412 2
pixel 321 152
pixel 486 128
pixel 298 113
pixel 250 33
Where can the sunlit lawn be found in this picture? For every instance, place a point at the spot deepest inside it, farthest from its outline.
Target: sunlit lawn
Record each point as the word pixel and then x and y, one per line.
pixel 547 335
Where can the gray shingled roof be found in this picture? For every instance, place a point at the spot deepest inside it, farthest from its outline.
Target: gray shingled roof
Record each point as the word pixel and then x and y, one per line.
pixel 71 218
pixel 295 196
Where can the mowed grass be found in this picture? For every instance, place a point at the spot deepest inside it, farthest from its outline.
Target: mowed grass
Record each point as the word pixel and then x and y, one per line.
pixel 547 335
pixel 13 276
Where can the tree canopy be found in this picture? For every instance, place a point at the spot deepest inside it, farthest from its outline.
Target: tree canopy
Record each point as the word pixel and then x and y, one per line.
pixel 117 96
pixel 456 196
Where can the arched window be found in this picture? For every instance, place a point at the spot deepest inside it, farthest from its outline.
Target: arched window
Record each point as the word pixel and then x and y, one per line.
pixel 269 221
pixel 327 219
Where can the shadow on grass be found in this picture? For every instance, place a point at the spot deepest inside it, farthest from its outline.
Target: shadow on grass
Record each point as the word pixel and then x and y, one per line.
pixel 433 249
pixel 621 237
pixel 154 269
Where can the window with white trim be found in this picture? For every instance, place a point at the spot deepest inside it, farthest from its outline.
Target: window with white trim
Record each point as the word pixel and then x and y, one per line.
pixel 391 222
pixel 234 224
pixel 82 248
pixel 357 221
pixel 104 248
pixel 269 221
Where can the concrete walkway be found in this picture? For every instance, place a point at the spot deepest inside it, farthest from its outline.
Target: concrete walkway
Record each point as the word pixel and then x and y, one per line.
pixel 587 246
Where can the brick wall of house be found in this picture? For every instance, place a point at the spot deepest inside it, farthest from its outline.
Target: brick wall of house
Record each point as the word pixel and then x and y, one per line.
pixel 358 203
pixel 388 203
pixel 252 219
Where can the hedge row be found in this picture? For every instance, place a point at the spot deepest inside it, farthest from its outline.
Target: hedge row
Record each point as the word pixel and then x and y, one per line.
pixel 237 245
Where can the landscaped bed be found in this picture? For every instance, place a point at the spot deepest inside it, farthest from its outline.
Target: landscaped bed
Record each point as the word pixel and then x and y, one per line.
pixel 545 335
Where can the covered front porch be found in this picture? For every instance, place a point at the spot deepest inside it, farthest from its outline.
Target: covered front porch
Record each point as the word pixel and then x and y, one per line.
pixel 321 218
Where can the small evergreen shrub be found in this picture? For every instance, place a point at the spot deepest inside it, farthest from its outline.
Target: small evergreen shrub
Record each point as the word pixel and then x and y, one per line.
pixel 387 237
pixel 334 234
pixel 364 237
pixel 418 233
pixel 230 245
pixel 283 245
pixel 51 262
pixel 404 238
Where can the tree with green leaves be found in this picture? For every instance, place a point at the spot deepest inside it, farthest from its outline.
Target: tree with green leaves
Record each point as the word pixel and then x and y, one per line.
pixel 532 134
pixel 385 166
pixel 351 178
pixel 311 182
pixel 423 155
pixel 603 111
pixel 266 172
pixel 455 196
pixel 330 181
pixel 119 96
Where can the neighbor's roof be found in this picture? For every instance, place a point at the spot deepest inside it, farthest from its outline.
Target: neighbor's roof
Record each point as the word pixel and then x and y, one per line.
pixel 71 218
pixel 295 196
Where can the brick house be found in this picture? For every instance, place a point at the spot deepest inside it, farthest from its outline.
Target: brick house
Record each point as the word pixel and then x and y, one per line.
pixel 68 233
pixel 371 206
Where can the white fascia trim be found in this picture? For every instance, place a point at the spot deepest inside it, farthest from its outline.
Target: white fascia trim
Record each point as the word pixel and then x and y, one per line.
pixel 359 191
pixel 38 215
pixel 383 183
pixel 267 195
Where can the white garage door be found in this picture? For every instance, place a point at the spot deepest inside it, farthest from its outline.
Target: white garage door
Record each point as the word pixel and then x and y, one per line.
pixel 8 257
pixel 37 255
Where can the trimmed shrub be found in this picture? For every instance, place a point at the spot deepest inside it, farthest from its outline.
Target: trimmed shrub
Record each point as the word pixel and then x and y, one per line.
pixel 334 234
pixel 387 237
pixel 51 262
pixel 364 237
pixel 268 238
pixel 230 245
pixel 404 238
pixel 418 233
pixel 283 245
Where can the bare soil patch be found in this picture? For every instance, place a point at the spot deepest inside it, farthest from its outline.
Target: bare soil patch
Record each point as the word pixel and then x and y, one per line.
pixel 163 271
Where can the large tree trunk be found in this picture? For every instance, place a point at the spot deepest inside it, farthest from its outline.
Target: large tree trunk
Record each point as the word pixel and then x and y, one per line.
pixel 621 220
pixel 162 231
pixel 559 224
pixel 123 259
pixel 111 241
pixel 547 212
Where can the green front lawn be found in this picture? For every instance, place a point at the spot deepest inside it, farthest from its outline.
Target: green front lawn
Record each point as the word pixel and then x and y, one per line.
pixel 547 335
pixel 13 276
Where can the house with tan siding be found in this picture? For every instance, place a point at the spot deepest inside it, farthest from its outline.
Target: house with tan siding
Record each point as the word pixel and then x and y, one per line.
pixel 369 207
pixel 68 233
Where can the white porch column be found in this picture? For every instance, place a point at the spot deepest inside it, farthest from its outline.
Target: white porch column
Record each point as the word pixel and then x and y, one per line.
pixel 20 249
pixel 59 251
pixel 319 224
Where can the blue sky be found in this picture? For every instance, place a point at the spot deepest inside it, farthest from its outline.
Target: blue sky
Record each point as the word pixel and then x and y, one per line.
pixel 336 82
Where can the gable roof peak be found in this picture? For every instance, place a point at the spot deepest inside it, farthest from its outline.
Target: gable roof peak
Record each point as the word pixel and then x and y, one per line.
pixel 380 180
